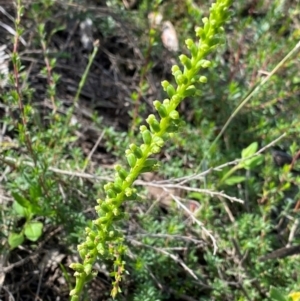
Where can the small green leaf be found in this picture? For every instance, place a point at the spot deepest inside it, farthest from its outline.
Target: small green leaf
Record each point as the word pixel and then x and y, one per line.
pixel 195 196
pixel 33 230
pixel 250 150
pixel 35 192
pixel 277 295
pixel 253 162
pixel 21 211
pixel 234 180
pixel 15 239
pixel 21 200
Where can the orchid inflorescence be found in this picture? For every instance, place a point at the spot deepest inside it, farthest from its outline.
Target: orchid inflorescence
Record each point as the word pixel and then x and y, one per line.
pixel 104 240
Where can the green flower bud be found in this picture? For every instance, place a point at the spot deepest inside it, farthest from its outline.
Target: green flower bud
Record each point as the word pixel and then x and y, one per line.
pixel 101 248
pixel 154 124
pixel 177 73
pixel 102 220
pixel 104 206
pixel 192 47
pixel 89 260
pixel 189 43
pixel 117 167
pixel 165 84
pixel 204 48
pixel 94 273
pixel 156 104
pixel 111 202
pixel 117 188
pixel 116 211
pixel 175 68
pixel 78 267
pixel 205 63
pixel 221 30
pixel 89 244
pixel 136 150
pixel 130 179
pixel 129 191
pixel 186 61
pixel 190 91
pixel 73 292
pixel 205 20
pixel 213 23
pixel 206 27
pixel 111 234
pixel 174 114
pixel 92 235
pixel 203 79
pixel 88 268
pixel 122 173
pixel 99 201
pixel 144 146
pixel 91 276
pixel 82 253
pixel 108 186
pixel 166 102
pixel 150 118
pixel 143 128
pixel 110 193
pixel 147 169
pixel 138 153
pixel 214 41
pixel 181 79
pixel 177 99
pixel 155 149
pixel 155 127
pixel 172 128
pixel 160 108
pixel 171 90
pixel 131 159
pixel 162 111
pixel 130 197
pixel 119 217
pixel 158 141
pixel 88 230
pixel 150 162
pixel 92 255
pixel 147 137
pixel 200 33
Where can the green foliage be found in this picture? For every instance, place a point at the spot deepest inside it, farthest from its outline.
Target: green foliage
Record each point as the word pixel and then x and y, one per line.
pixel 32 230
pixel 38 145
pixel 105 239
pixel 220 129
pixel 248 161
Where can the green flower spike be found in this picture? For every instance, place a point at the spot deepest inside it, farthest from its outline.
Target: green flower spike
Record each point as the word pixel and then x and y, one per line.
pixel 103 240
